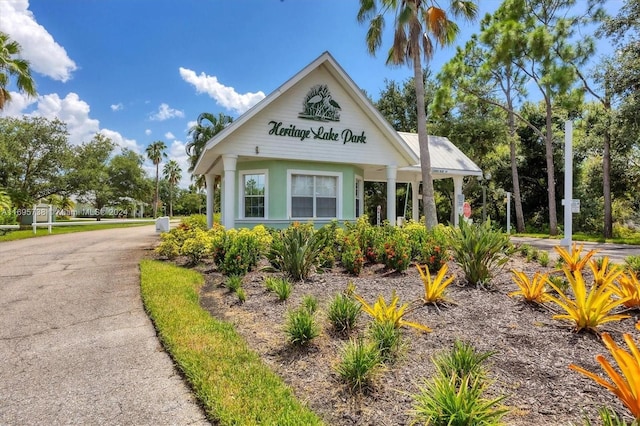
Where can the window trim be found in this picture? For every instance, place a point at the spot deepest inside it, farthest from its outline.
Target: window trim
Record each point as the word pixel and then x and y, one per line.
pixel 241 194
pixel 337 175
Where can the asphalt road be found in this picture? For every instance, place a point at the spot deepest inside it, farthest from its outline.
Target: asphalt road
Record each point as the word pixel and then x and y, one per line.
pixel 617 253
pixel 76 346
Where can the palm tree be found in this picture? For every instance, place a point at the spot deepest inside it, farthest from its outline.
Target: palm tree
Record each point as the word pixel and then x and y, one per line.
pixel 155 153
pixel 420 26
pixel 200 133
pixel 12 66
pixel 172 173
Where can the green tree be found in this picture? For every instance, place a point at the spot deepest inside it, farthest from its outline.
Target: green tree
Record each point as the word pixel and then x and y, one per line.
pixel 420 26
pixel 172 173
pixel 155 153
pixel 13 66
pixel 34 157
pixel 207 126
pixel 127 179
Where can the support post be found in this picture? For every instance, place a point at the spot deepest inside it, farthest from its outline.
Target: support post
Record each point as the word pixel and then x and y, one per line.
pixel 415 200
pixel 391 194
pixel 210 182
pixel 228 215
pixel 458 200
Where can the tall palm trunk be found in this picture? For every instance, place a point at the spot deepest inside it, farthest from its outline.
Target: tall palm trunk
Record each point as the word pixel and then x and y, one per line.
pixel 428 198
pixel 155 200
pixel 514 160
pixel 606 173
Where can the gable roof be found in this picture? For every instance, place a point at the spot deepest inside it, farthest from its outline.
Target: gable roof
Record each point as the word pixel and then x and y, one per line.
pixel 209 157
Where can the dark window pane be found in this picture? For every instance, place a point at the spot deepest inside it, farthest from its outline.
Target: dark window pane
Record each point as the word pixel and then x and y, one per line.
pixel 302 206
pixel 325 207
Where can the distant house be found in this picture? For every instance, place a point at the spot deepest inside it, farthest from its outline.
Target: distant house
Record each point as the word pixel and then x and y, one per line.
pixel 304 152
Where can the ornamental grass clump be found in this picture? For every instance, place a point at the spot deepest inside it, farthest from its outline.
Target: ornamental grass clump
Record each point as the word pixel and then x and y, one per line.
pixel 387 339
pixel 591 306
pixel 359 364
pixel 434 289
pixel 296 251
pixel 382 312
pixel 280 286
pixel 301 327
pixel 479 250
pixel 532 290
pixel 462 360
pixel 343 313
pixel 624 382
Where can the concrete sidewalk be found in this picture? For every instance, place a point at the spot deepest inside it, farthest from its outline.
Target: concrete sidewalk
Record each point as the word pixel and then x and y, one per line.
pixel 75 342
pixel 617 253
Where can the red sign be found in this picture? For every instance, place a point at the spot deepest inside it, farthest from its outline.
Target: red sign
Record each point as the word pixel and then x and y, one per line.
pixel 466 209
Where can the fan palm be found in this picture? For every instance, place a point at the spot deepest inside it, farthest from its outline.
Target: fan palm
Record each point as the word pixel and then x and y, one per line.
pixel 172 173
pixel 155 153
pixel 201 132
pixel 10 65
pixel 420 26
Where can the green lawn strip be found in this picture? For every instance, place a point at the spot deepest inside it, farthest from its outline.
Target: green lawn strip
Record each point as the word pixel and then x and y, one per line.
pixel 230 380
pixel 578 237
pixel 67 229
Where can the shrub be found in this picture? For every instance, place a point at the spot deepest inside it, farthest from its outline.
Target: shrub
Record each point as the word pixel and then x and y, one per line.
pixel 479 250
pixel 455 401
pixel 591 307
pixel 381 312
pixel 343 313
pixel 397 251
pixel 543 258
pixel 633 264
pixel 195 221
pixel 233 283
pixel 434 289
pixel 169 246
pixel 241 252
pixel 301 327
pixel 534 290
pixel 462 361
pixel 625 386
pixel 352 258
pixel 386 337
pixel 328 236
pixel 197 246
pixel 296 251
pixel 359 364
pixel 280 286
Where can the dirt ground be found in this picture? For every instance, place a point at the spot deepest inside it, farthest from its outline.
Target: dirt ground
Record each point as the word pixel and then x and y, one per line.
pixel 530 365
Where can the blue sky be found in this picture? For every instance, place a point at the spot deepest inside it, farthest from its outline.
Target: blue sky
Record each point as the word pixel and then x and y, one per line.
pixel 142 70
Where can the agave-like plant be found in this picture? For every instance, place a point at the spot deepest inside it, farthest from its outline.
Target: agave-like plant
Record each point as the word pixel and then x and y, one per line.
pixel 605 271
pixel 625 386
pixel 573 260
pixel 434 289
pixel 591 307
pixel 532 290
pixel 628 288
pixel 383 312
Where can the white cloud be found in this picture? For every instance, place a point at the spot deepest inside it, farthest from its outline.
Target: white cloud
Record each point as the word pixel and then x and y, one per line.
pixel 223 95
pixel 147 132
pixel 117 107
pixel 169 136
pixel 165 112
pixel 178 153
pixel 38 46
pixel 70 109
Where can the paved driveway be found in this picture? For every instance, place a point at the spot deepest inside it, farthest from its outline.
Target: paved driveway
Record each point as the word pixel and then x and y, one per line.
pixel 76 346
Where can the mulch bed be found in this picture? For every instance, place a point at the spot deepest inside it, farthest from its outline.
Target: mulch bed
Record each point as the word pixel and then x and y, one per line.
pixel 532 351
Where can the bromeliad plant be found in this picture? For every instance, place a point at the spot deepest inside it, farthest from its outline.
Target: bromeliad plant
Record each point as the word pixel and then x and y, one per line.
pixel 532 290
pixel 603 271
pixel 625 386
pixel 573 260
pixel 590 307
pixel 434 289
pixel 628 288
pixel 382 312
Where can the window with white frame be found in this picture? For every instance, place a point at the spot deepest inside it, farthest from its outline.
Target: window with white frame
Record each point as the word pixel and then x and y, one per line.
pixel 314 196
pixel 254 186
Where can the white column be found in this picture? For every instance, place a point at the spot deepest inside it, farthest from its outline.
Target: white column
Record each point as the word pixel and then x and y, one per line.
pixel 415 200
pixel 458 199
pixel 228 215
pixel 210 181
pixel 391 194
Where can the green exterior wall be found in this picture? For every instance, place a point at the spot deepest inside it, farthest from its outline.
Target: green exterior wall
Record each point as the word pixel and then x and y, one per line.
pixel 277 189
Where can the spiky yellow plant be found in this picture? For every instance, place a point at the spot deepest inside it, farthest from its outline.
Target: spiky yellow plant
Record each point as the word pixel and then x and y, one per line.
pixel 434 289
pixel 625 386
pixel 573 260
pixel 393 313
pixel 591 307
pixel 604 272
pixel 531 290
pixel 628 288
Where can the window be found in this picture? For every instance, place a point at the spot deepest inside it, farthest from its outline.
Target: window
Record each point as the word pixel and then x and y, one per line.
pixel 358 192
pixel 254 194
pixel 314 196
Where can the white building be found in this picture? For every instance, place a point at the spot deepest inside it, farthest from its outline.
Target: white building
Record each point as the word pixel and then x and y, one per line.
pixel 304 152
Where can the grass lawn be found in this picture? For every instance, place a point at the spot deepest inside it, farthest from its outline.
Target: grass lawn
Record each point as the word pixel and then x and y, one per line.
pixel 43 231
pixel 229 379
